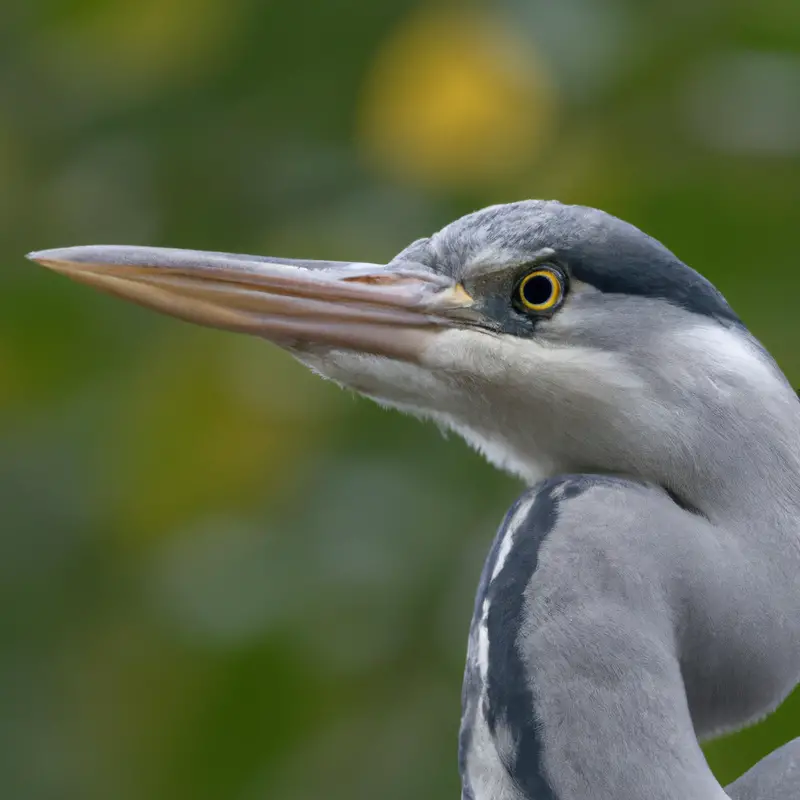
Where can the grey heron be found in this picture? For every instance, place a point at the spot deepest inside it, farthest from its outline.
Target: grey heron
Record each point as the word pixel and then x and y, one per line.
pixel 643 593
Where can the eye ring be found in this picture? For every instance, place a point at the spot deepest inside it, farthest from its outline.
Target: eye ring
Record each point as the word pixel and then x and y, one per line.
pixel 540 291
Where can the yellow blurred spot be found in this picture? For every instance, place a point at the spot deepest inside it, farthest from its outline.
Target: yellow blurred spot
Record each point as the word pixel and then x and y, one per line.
pixel 139 42
pixel 455 98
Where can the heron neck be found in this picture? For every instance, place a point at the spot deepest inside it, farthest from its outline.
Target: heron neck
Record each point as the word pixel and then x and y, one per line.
pixel 613 627
pixel 747 484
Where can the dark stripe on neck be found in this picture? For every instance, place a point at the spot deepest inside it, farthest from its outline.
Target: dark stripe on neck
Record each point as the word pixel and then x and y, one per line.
pixel 511 702
pixel 510 699
pixel 472 686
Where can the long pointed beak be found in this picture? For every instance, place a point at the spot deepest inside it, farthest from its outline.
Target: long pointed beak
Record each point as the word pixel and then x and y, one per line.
pixel 389 311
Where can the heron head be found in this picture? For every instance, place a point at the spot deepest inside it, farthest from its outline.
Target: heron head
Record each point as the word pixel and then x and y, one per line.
pixel 554 338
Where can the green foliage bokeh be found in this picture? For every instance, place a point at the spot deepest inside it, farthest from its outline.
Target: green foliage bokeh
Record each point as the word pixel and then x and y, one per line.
pixel 222 577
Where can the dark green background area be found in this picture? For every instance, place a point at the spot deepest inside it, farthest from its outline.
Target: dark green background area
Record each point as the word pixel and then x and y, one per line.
pixel 221 577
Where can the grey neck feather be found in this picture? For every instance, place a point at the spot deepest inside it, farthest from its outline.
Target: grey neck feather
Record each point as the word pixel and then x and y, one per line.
pixel 647 624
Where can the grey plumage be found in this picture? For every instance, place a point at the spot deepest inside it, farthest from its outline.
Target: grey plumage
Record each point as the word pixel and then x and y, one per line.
pixel 775 777
pixel 588 673
pixel 604 251
pixel 642 594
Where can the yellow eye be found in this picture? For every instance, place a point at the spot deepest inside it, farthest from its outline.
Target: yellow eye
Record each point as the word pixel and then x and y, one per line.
pixel 540 290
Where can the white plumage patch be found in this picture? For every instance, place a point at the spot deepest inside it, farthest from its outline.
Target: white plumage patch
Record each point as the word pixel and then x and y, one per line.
pixel 520 515
pixel 483 645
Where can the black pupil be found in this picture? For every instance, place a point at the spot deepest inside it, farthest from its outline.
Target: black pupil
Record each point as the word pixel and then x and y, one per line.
pixel 537 290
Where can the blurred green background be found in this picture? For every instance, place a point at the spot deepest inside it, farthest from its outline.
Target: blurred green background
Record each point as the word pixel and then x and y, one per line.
pixel 221 577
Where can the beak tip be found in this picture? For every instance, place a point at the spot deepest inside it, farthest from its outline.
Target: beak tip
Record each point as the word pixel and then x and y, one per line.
pixel 43 257
pixel 50 258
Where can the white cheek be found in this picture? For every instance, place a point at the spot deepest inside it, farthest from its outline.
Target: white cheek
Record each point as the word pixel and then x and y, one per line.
pixel 396 382
pixel 519 402
pixel 538 371
pixel 525 404
pixel 467 353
